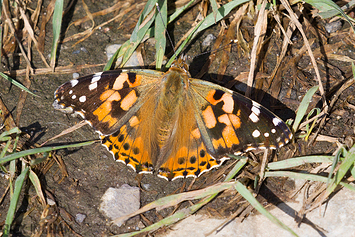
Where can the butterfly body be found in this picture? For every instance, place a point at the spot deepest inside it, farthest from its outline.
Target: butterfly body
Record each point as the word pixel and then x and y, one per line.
pixel 169 122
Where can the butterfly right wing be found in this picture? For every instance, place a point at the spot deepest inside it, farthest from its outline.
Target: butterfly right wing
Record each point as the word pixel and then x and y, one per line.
pixel 106 100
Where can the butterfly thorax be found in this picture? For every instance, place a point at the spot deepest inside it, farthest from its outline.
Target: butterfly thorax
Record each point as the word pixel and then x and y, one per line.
pixel 171 103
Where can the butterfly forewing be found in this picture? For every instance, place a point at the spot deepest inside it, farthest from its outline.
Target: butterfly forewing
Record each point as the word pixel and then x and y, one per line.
pixel 107 99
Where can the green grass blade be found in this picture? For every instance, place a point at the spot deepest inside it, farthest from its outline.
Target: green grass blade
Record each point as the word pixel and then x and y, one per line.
pixel 182 46
pixel 328 8
pixel 344 167
pixel 252 200
pixel 214 9
pixel 37 184
pixel 160 33
pixel 237 167
pixel 294 162
pixel 312 177
pixel 178 11
pixel 57 25
pixel 4 150
pixel 222 12
pixel 11 131
pixel 119 53
pixel 302 109
pixel 207 22
pixel 13 202
pixel 16 83
pixel 20 154
pixel 145 21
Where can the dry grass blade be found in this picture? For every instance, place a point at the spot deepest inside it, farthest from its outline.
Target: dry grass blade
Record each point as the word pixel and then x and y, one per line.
pixel 13 31
pixel 260 29
pixel 32 35
pixel 58 70
pixel 45 19
pixel 176 199
pixel 66 131
pixel 86 34
pixel 6 117
pixel 294 18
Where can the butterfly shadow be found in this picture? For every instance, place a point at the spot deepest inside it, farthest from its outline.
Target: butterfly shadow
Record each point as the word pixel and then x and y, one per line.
pixel 271 197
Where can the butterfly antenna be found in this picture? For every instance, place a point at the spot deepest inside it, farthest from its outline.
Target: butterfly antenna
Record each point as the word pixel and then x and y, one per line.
pixel 166 29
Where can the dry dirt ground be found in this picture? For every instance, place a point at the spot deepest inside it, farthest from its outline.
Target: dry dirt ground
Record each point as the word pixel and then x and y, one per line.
pixel 91 169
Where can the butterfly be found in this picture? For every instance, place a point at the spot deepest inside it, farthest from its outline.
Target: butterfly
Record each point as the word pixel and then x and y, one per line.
pixel 170 123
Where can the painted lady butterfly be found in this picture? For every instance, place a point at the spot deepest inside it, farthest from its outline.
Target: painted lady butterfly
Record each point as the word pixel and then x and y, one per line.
pixel 170 123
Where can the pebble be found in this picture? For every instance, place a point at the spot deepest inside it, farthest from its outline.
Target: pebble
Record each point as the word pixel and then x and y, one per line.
pixel 118 202
pixel 79 218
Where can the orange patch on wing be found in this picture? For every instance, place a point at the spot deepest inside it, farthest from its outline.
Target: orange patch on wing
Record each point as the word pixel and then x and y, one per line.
pixel 210 98
pixel 119 82
pixel 134 121
pixel 228 106
pixel 224 119
pixel 196 133
pixel 110 95
pixel 235 120
pixel 229 136
pixel 218 143
pixel 129 100
pixel 110 120
pixel 136 82
pixel 209 118
pixel 106 94
pixel 227 98
pixel 103 110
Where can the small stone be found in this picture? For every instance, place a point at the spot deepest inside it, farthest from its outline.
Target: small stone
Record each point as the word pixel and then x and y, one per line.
pixel 132 62
pixel 50 202
pixel 207 42
pixel 334 26
pixel 79 218
pixel 118 202
pixel 76 75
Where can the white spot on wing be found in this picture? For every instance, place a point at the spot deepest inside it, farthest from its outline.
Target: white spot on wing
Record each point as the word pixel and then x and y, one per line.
pixel 70 92
pixel 256 133
pixel 82 98
pixel 93 86
pixel 253 117
pixel 276 121
pixel 73 97
pixel 273 130
pixel 255 104
pixel 255 109
pixel 266 134
pixel 96 77
pixel 74 82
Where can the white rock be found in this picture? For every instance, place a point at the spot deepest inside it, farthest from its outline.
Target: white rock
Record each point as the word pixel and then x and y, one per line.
pixel 117 202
